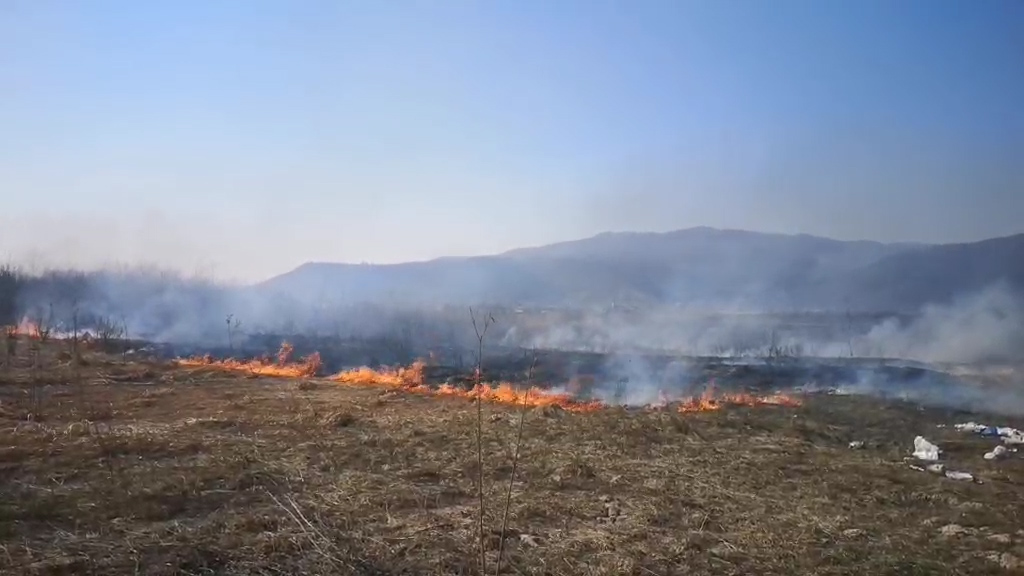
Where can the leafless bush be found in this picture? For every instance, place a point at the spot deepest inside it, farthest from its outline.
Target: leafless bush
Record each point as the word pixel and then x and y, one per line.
pixel 515 463
pixel 10 284
pixel 480 329
pixel 284 354
pixel 108 333
pixel 234 325
pixel 311 364
pixel 42 321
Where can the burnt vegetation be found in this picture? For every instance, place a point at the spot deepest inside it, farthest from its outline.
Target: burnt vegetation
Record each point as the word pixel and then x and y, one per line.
pixel 144 467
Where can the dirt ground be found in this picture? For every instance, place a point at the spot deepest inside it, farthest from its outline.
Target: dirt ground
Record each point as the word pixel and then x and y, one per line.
pixel 142 468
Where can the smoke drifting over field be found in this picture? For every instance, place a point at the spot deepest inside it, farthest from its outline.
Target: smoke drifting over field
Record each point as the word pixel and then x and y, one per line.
pixel 984 326
pixel 987 325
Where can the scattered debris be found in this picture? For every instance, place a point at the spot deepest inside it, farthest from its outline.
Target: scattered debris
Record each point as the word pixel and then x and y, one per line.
pixel 1000 538
pixel 936 468
pixel 529 540
pixel 953 475
pixel 1007 434
pixel 1005 560
pixel 853 532
pixel 856 444
pixel 1014 439
pixel 970 427
pixel 951 530
pixel 925 450
pixel 997 452
pixel 612 513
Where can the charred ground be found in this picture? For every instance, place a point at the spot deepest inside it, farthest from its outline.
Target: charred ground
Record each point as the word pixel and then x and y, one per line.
pixel 117 467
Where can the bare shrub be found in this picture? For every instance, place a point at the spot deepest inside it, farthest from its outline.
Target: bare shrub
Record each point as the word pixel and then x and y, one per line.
pixel 284 353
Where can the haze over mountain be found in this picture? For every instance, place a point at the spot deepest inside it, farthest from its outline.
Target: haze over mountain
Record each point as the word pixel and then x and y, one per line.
pixel 696 267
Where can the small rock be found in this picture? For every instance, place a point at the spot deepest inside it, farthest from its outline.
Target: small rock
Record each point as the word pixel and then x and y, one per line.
pixel 950 530
pixel 1000 538
pixel 853 532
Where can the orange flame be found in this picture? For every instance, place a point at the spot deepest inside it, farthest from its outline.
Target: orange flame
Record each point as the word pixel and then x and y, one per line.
pixel 24 328
pixel 412 379
pixel 304 368
pixel 709 401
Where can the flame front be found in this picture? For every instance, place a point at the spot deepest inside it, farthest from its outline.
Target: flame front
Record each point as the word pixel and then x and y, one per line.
pixel 709 400
pixel 412 379
pixel 283 367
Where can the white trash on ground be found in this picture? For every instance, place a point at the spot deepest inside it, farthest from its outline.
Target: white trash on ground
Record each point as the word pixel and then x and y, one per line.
pixel 856 444
pixel 1016 437
pixel 925 450
pixel 952 475
pixel 997 452
pixel 1007 434
pixel 936 468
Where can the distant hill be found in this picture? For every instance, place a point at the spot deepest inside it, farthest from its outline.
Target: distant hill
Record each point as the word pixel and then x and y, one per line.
pixel 702 267
pixel 938 273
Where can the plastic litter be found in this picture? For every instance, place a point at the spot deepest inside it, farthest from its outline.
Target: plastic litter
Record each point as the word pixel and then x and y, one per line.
pixel 1014 439
pixel 856 444
pixel 970 427
pixel 989 431
pixel 997 452
pixel 952 475
pixel 925 450
pixel 936 468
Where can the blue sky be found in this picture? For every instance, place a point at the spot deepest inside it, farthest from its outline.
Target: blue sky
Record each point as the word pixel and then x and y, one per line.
pixel 246 137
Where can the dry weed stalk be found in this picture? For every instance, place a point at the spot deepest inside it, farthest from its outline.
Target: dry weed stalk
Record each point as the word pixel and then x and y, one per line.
pixel 11 345
pixel 515 462
pixel 481 332
pixel 321 543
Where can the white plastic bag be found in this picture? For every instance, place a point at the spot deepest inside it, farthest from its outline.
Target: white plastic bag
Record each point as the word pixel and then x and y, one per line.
pixel 997 453
pixel 925 450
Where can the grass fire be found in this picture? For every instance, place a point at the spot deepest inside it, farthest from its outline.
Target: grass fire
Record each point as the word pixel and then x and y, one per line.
pixel 411 379
pixel 276 465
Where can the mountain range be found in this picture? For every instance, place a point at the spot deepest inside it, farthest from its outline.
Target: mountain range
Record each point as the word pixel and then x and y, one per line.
pixel 699 267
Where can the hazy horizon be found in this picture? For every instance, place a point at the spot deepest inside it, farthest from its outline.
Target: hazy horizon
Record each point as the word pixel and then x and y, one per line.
pixel 243 139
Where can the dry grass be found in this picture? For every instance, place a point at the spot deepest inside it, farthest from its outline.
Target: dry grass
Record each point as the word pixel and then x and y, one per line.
pixel 160 470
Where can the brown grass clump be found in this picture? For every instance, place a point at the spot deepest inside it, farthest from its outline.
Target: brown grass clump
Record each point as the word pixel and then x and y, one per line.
pixel 172 470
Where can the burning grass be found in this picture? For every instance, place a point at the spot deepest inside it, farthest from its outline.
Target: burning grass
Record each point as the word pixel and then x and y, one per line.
pixel 171 470
pixel 282 366
pixel 411 379
pixel 710 400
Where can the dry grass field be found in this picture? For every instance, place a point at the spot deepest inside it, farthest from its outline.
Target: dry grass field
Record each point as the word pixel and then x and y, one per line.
pixel 139 467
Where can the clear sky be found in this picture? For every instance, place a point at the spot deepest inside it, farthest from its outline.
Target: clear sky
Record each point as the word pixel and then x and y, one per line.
pixel 244 137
